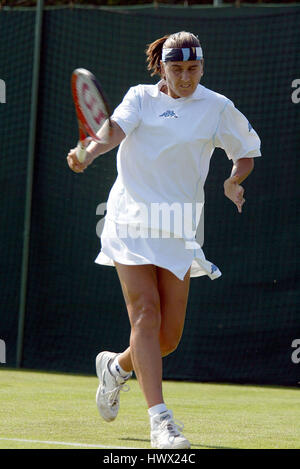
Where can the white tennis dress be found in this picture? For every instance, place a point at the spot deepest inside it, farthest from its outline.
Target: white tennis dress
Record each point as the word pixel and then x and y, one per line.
pixel 154 210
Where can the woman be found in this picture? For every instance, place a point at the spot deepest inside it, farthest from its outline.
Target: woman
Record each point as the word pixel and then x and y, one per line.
pixel 168 133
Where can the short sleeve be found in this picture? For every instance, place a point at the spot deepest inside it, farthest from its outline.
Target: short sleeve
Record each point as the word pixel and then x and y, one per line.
pixel 235 135
pixel 127 114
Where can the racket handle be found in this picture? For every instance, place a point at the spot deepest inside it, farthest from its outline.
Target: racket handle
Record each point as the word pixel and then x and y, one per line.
pixel 81 152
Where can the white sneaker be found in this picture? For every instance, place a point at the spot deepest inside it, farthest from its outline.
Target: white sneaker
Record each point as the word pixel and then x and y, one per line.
pixel 165 433
pixel 108 392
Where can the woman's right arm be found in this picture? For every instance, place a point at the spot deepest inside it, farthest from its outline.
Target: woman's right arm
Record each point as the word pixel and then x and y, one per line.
pixel 112 136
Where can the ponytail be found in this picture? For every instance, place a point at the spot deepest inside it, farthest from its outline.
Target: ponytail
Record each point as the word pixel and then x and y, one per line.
pixel 154 53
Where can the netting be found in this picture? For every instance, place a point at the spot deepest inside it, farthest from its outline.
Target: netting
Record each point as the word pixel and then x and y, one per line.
pixel 16 59
pixel 240 327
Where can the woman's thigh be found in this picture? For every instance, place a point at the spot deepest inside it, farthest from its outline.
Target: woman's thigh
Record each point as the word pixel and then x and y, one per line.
pixel 140 291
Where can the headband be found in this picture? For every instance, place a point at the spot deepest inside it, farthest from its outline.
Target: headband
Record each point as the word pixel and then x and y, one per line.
pixel 181 54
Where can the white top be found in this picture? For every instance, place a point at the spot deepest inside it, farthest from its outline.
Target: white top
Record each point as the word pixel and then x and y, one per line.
pixel 165 156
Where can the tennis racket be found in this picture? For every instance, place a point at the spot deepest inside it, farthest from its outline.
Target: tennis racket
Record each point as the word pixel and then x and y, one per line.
pixel 91 107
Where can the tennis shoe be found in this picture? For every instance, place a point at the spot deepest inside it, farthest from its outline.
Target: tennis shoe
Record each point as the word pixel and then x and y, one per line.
pixel 108 392
pixel 166 432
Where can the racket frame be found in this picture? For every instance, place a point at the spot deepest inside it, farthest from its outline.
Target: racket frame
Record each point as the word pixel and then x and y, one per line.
pixel 84 127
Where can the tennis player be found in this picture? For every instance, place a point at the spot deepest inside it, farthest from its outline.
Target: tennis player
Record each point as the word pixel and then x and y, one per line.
pixel 167 134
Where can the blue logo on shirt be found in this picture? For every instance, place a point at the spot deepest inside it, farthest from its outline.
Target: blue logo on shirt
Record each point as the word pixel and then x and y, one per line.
pixel 213 268
pixel 249 126
pixel 168 113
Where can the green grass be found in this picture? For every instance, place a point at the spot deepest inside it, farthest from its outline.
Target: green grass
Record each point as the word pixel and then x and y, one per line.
pixel 61 408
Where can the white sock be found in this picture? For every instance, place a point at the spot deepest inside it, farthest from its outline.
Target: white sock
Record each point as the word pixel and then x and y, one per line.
pixel 117 370
pixel 157 409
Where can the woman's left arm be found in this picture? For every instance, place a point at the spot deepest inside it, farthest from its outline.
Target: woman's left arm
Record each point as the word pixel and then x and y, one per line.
pixel 232 189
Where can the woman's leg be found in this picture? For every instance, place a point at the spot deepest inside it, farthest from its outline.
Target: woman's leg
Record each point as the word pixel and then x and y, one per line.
pixel 156 303
pixel 164 305
pixel 139 286
pixel 173 300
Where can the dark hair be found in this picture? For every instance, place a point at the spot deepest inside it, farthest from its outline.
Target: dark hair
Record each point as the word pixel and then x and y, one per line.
pixel 154 50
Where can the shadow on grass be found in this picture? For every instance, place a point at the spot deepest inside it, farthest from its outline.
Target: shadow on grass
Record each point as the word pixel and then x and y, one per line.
pixel 193 446
pixel 290 386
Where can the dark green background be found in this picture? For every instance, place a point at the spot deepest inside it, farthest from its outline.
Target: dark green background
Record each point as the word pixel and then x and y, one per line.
pixel 240 327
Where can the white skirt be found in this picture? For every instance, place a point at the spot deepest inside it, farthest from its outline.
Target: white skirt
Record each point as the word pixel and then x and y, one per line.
pixel 169 253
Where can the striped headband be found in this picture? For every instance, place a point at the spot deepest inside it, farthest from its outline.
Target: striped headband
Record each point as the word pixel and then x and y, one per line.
pixel 181 54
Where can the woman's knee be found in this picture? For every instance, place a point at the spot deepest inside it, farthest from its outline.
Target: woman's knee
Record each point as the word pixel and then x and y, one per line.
pixel 146 315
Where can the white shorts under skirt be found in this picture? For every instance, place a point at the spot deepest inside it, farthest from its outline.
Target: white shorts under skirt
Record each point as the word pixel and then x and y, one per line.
pixel 169 253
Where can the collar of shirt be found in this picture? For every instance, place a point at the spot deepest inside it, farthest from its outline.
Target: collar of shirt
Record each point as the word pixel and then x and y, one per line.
pixel 155 90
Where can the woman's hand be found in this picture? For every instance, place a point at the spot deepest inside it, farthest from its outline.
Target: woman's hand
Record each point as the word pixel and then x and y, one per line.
pixel 234 192
pixel 74 163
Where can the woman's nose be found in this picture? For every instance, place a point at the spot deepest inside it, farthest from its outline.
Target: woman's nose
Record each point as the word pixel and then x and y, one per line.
pixel 185 75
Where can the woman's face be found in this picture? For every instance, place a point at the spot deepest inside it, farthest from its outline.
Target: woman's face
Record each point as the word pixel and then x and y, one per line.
pixel 182 77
